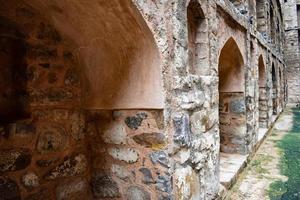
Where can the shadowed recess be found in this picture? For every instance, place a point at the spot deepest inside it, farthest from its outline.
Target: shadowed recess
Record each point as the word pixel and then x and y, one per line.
pixel 121 61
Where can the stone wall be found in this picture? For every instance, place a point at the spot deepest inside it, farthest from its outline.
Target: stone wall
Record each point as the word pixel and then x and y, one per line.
pixel 292 53
pixel 263 108
pixel 233 123
pixel 65 149
pixel 41 150
pixel 127 155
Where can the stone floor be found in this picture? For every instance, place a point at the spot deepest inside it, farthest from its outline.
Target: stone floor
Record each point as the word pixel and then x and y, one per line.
pixel 255 181
pixel 231 165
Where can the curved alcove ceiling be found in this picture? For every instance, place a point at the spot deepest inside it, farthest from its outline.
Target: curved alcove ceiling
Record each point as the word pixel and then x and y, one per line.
pixel 231 68
pixel 121 62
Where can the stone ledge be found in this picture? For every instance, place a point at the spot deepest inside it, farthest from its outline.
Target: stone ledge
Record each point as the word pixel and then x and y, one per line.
pixel 232 165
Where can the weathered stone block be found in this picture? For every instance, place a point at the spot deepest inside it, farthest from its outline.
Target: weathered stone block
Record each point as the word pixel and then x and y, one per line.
pixel 160 157
pixel 14 159
pixel 137 193
pixel 182 135
pixel 164 184
pixel 150 139
pixel 237 106
pixel 103 186
pixel 147 175
pixel 75 165
pixel 115 134
pixel 30 180
pixel 52 138
pixel 120 171
pixel 135 122
pixel 128 155
pixel 72 189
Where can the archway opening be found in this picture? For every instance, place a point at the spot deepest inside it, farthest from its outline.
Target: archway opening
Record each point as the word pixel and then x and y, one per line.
pixel 95 94
pixel 260 16
pixel 272 24
pixel 263 103
pixel 274 89
pixel 197 39
pixel 231 99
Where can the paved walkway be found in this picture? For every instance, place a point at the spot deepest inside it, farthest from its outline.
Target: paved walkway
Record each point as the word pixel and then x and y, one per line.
pixel 274 172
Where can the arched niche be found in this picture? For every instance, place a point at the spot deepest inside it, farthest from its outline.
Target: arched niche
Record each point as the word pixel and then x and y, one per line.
pixel 272 25
pixel 197 38
pixel 274 78
pixel 231 99
pixel 120 59
pixel 261 72
pixel 231 68
pixel 263 101
pixel 274 88
pixel 261 16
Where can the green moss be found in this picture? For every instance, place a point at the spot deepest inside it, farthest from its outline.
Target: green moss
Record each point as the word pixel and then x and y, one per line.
pixel 258 163
pixel 289 164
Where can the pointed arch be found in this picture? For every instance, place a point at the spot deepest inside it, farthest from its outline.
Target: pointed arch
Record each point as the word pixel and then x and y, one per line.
pixel 231 68
pixel 263 100
pixel 231 99
pixel 274 78
pixel 120 58
pixel 197 38
pixel 261 72
pixel 274 89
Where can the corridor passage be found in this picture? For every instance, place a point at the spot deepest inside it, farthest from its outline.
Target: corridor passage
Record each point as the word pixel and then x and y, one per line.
pixel 273 173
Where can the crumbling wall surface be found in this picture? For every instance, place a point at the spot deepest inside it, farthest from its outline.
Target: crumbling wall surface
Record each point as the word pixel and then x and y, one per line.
pixel 113 106
pixel 292 53
pixel 233 123
pixel 127 157
pixel 42 154
pixel 193 106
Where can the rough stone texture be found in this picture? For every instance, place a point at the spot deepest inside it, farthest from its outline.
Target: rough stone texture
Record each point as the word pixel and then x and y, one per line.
pixel 292 51
pixel 124 154
pixel 30 180
pixel 120 171
pixel 103 186
pixel 137 193
pixel 150 139
pixel 75 165
pixel 52 139
pixel 72 189
pixel 135 121
pixel 148 178
pixel 137 118
pixel 14 159
pixel 160 157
